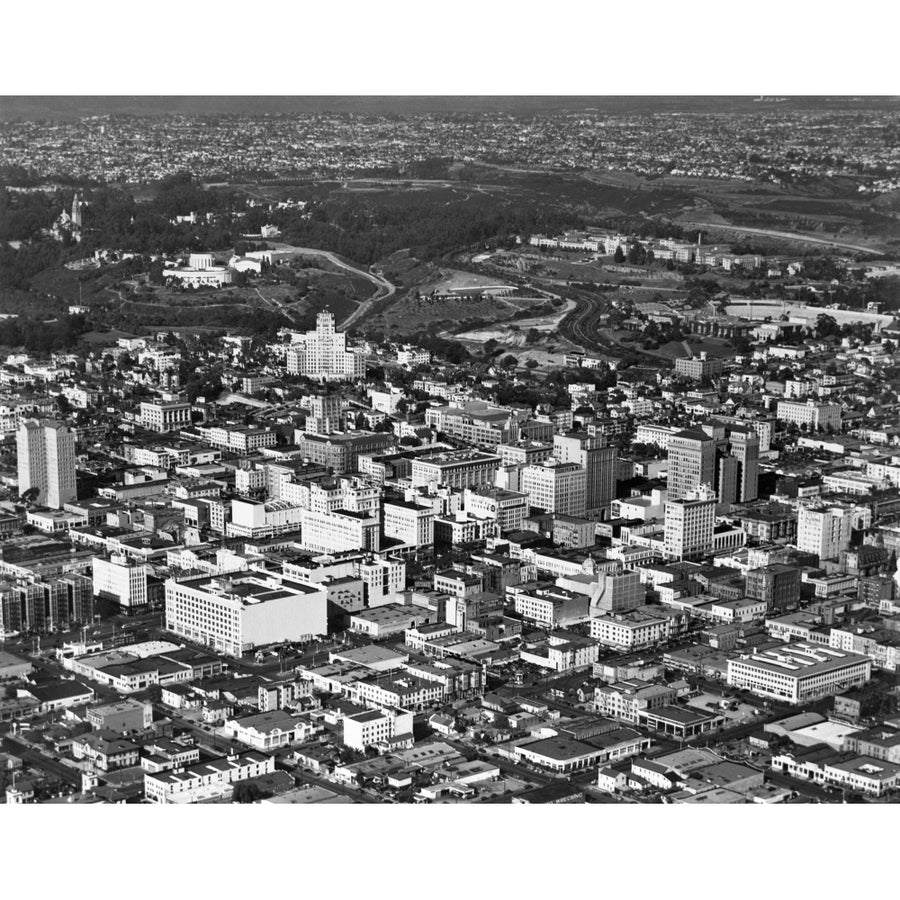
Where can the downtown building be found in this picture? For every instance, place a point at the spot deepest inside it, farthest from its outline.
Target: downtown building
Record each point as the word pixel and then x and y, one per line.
pixel 689 525
pixel 556 487
pixel 799 672
pixel 599 464
pixel 46 461
pixel 236 613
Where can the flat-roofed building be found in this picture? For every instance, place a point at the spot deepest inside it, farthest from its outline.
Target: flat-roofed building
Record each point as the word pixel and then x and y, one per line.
pixel 556 487
pixel 455 468
pixel 810 413
pixel 799 672
pixel 371 727
pixel 163 416
pixel 236 613
pixel 194 783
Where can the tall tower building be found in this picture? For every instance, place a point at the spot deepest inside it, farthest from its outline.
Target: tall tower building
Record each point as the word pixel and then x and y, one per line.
pixel 556 487
pixel 46 459
pixel 324 414
pixel 324 354
pixel 744 447
pixel 690 523
pixel 826 529
pixel 77 205
pixel 692 462
pixel 598 461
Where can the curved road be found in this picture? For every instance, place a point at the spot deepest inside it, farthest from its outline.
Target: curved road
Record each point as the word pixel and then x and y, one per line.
pixel 784 235
pixel 384 288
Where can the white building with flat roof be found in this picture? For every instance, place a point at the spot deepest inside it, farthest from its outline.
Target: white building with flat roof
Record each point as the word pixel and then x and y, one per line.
pixel 236 613
pixel 799 672
pixel 45 453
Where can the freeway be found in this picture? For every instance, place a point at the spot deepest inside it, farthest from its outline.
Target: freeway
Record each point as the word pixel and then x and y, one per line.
pixel 784 235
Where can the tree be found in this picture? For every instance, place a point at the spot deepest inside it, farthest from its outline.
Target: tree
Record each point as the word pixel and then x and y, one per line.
pixel 509 361
pixel 63 405
pixel 531 364
pixel 826 325
pixel 619 255
pixel 30 496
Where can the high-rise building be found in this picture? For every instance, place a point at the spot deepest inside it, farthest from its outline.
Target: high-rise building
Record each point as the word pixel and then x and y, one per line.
pixel 826 529
pixel 689 525
pixel 556 487
pixel 599 462
pixel 777 585
pixel 324 414
pixel 744 447
pixel 46 458
pixel 324 354
pixel 737 463
pixel 617 592
pixel 692 462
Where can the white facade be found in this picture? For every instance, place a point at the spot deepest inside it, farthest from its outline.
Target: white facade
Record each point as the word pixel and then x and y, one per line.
pixel 689 526
pixel 810 413
pixel 556 487
pixel 194 782
pixel 162 417
pixel 46 460
pixel 233 614
pixel 409 523
pixel 799 672
pixel 365 729
pixel 338 531
pixel 826 530
pixel 323 353
pixel 121 578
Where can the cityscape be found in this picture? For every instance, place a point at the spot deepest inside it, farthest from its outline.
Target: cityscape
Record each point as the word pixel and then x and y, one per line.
pixel 450 451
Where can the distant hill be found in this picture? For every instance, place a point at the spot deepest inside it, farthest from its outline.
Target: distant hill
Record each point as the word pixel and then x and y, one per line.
pixel 60 107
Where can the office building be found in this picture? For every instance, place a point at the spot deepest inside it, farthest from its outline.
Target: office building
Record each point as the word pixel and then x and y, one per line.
pixel 776 585
pixel 455 468
pixel 689 525
pixel 599 464
pixel 339 530
pixel 826 530
pixel 122 580
pixel 556 487
pixel 617 592
pixel 46 461
pixel 160 416
pixel 234 614
pixel 692 462
pixel 799 672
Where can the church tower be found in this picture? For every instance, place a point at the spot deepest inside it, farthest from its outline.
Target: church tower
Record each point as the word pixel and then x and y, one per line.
pixel 76 210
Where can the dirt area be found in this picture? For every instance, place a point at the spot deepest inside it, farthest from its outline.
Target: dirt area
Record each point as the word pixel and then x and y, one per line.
pixel 456 280
pixel 513 335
